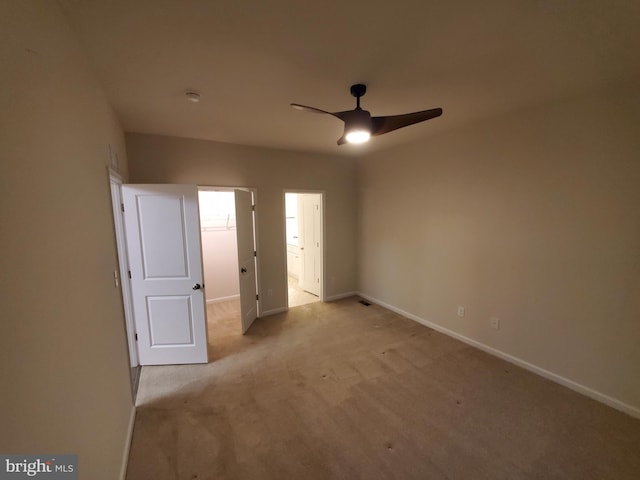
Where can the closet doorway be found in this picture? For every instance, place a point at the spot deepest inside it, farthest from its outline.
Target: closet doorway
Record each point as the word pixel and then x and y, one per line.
pixel 230 295
pixel 304 221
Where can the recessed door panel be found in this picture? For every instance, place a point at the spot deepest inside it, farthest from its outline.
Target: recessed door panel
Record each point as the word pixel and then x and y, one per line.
pixel 170 320
pixel 164 249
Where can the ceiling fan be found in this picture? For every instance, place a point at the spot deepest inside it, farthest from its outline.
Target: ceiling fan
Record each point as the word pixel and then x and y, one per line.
pixel 359 125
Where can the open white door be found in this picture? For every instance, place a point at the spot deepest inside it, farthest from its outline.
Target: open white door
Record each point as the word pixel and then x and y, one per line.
pixel 163 241
pixel 246 258
pixel 309 228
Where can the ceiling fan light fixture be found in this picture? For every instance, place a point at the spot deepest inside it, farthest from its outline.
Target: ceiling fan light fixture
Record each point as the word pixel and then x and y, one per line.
pixel 358 136
pixel 357 126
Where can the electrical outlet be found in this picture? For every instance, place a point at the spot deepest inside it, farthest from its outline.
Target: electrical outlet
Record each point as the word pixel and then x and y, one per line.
pixel 495 323
pixel 460 311
pixel 116 278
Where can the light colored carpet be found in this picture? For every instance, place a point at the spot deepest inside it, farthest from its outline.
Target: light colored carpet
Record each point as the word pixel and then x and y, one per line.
pixel 297 296
pixel 343 391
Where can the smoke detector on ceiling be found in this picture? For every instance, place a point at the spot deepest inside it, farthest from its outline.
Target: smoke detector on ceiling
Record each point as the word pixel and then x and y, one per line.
pixel 192 96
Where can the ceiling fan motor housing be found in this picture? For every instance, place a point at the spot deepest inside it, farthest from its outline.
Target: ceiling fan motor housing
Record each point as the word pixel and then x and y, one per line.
pixel 357 120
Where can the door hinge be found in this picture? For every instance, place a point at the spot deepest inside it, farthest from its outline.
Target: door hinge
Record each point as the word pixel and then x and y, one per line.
pixel 122 206
pixel 136 337
pixel 255 253
pixel 129 272
pixel 253 208
pixel 257 297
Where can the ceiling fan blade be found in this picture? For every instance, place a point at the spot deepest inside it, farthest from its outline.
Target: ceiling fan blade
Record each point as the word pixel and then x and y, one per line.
pixel 297 106
pixel 390 123
pixel 306 108
pixel 342 140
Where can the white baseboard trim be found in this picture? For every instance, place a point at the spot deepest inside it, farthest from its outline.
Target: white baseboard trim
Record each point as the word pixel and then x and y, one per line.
pixel 273 311
pixel 127 445
pixel 554 377
pixel 224 299
pixel 340 296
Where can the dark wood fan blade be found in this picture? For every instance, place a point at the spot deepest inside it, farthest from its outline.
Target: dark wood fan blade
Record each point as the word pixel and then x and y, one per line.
pixel 297 106
pixel 340 115
pixel 342 140
pixel 388 124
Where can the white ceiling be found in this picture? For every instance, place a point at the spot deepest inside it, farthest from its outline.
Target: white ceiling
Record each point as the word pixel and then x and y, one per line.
pixel 250 58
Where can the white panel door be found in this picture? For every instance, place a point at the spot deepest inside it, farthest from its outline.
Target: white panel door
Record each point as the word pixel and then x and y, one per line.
pixel 165 259
pixel 309 225
pixel 246 258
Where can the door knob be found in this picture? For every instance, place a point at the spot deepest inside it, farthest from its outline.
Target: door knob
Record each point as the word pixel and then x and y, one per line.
pixel 243 270
pixel 197 286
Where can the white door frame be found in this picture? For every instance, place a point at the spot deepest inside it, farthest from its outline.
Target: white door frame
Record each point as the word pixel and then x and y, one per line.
pixel 323 236
pixel 213 188
pixel 115 181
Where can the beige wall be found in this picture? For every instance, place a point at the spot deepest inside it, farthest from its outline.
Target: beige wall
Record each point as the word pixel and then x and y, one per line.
pixel 63 354
pixel 158 159
pixel 220 264
pixel 533 218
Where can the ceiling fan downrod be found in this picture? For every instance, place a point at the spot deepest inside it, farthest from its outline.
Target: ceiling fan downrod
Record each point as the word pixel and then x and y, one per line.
pixel 358 90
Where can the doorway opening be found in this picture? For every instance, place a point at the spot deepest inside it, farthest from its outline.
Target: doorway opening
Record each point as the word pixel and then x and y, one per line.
pixel 304 221
pixel 227 229
pixel 220 261
pixel 165 271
